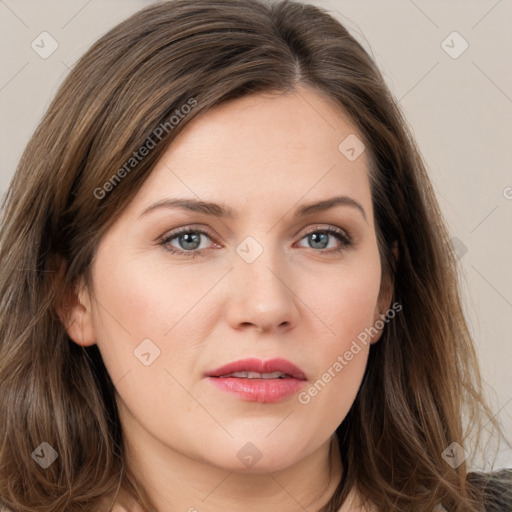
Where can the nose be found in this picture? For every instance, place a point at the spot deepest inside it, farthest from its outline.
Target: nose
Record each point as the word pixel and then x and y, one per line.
pixel 261 295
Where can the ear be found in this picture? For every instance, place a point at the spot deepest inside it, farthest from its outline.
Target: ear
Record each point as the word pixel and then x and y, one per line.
pixel 384 300
pixel 394 250
pixel 75 313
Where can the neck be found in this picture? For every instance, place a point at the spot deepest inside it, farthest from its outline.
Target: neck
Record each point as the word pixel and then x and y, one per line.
pixel 174 481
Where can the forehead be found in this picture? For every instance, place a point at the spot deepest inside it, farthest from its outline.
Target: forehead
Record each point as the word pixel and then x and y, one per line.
pixel 263 149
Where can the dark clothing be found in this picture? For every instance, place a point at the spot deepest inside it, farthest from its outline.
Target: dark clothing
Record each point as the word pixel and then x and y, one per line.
pixel 497 489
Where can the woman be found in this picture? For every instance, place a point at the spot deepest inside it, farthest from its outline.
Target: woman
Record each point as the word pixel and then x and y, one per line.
pixel 226 283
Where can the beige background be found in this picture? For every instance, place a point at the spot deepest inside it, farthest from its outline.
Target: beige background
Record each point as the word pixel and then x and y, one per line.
pixel 460 110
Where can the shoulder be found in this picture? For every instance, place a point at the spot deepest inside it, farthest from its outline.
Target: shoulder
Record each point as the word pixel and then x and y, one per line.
pixel 354 503
pixel 118 508
pixel 496 488
pixel 108 506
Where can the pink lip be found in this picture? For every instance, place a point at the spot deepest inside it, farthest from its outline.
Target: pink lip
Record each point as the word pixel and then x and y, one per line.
pixel 259 390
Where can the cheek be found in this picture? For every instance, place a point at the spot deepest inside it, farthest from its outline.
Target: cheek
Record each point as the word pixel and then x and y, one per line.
pixel 346 304
pixel 342 353
pixel 144 311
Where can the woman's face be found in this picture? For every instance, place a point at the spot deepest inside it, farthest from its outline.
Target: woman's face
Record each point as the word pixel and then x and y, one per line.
pixel 278 279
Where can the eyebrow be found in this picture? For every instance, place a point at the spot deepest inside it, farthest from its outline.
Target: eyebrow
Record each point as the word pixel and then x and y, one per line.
pixel 223 211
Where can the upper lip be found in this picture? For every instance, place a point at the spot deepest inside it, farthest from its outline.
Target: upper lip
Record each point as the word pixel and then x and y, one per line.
pixel 259 366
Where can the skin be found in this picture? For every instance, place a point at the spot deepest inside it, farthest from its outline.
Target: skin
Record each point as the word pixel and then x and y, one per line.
pixel 263 156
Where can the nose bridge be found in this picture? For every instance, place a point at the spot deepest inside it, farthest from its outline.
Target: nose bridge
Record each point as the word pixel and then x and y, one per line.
pixel 258 265
pixel 263 295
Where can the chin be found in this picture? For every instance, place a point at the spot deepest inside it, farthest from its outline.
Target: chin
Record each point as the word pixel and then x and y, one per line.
pixel 258 456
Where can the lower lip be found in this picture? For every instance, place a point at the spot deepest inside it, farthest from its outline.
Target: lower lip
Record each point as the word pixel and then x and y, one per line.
pixel 258 390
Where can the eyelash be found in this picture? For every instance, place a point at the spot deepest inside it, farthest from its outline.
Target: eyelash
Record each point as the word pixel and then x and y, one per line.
pixel 341 235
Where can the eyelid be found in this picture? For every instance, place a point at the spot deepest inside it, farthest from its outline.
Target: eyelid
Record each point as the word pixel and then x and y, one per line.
pixel 186 228
pixel 327 227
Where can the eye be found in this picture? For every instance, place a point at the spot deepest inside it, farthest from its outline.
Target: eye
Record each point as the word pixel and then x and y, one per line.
pixel 188 241
pixel 319 239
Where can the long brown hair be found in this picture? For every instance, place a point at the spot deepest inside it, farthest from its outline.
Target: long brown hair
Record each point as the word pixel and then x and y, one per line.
pixel 422 376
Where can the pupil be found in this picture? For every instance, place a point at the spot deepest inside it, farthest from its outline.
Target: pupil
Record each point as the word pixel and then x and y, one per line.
pixel 191 238
pixel 314 238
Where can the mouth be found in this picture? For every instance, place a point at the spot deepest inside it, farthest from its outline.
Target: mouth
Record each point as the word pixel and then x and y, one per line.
pixel 256 375
pixel 255 380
